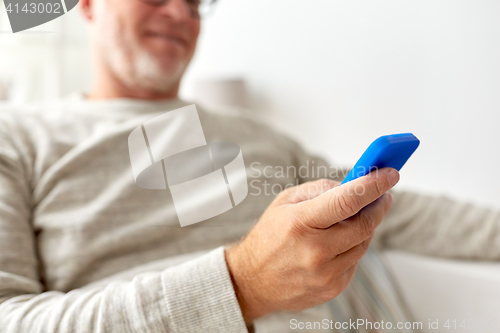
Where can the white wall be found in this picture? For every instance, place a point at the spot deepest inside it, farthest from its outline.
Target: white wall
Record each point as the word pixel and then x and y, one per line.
pixel 47 61
pixel 337 74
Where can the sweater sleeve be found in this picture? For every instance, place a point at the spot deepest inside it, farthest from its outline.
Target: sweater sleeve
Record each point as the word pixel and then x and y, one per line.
pixel 440 226
pixel 196 296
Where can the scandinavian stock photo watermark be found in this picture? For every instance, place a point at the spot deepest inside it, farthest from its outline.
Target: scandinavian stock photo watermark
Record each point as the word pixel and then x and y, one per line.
pixel 272 180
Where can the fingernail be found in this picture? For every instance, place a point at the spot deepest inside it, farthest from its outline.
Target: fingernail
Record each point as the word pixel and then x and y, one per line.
pixel 393 177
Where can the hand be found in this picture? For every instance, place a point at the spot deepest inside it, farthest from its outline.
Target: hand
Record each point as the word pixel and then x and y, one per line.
pixel 306 245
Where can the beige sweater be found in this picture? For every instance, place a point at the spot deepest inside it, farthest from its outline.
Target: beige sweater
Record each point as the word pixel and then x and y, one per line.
pixel 83 249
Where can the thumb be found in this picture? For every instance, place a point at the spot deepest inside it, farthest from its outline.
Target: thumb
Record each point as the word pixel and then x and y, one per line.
pixel 342 202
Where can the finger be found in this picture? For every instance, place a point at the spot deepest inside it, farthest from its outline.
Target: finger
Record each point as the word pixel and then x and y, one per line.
pixel 348 275
pixel 307 191
pixel 344 261
pixel 339 280
pixel 348 240
pixel 351 232
pixel 355 230
pixel 342 202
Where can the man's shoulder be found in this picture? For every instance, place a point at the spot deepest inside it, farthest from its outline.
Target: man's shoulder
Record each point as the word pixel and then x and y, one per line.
pixel 27 116
pixel 11 116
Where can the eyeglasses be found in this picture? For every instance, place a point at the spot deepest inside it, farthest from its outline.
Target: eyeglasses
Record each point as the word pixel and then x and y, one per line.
pixel 197 8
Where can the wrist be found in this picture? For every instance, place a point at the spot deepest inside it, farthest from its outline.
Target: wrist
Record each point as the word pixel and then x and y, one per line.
pixel 242 278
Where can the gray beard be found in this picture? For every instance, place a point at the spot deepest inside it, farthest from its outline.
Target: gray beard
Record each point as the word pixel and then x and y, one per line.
pixel 134 66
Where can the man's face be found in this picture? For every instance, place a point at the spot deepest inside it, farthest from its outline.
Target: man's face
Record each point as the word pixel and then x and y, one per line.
pixel 145 46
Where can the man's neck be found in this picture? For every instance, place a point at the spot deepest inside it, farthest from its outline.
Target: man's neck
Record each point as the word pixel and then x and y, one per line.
pixel 107 87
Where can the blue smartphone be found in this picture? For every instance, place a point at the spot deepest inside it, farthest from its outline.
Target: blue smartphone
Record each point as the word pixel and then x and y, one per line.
pixel 387 151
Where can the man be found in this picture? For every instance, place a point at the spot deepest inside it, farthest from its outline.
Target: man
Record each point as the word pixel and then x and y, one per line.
pixel 82 248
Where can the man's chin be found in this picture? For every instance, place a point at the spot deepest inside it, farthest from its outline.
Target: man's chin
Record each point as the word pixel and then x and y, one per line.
pixel 164 64
pixel 158 78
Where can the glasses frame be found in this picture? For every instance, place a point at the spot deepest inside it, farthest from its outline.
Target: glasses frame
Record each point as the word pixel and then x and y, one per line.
pixel 205 5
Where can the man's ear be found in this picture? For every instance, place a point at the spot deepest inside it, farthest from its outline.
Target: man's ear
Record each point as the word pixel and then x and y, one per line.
pixel 86 6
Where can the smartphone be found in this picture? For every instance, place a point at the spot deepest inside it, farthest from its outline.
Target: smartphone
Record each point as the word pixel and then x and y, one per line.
pixel 387 151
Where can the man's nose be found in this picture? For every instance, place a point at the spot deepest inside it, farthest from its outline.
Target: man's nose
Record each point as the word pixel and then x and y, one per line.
pixel 178 9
